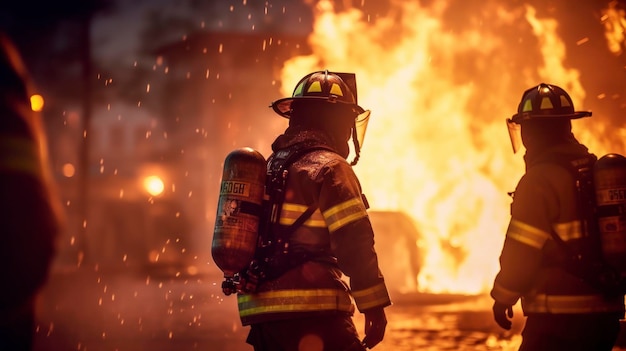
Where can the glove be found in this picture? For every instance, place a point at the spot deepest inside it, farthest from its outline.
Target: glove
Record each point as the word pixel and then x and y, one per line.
pixel 375 324
pixel 502 314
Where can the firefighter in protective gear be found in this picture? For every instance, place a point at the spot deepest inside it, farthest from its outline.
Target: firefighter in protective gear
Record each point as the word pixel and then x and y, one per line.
pixel 563 310
pixel 303 302
pixel 29 208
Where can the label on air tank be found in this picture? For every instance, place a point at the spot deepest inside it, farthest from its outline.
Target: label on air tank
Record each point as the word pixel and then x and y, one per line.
pixel 235 188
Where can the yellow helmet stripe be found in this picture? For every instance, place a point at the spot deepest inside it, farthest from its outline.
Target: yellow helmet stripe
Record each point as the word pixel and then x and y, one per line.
pixel 528 106
pixel 315 87
pixel 546 104
pixel 335 89
pixel 298 91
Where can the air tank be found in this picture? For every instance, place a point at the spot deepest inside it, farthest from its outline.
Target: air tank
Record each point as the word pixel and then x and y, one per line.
pixel 238 211
pixel 610 187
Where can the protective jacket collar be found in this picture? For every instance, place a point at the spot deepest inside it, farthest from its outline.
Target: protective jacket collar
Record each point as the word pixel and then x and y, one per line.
pixel 301 138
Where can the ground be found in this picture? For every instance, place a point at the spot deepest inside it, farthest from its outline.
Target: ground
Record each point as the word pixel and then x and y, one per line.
pixel 89 310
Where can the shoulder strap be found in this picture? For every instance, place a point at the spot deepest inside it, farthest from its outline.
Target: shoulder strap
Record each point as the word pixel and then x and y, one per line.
pixel 275 255
pixel 277 171
pixel 276 181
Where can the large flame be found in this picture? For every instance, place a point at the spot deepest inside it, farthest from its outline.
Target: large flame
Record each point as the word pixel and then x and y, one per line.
pixel 614 19
pixel 437 146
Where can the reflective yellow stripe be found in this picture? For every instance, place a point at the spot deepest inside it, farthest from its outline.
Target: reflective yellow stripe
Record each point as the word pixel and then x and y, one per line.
pixel 570 304
pixel 527 234
pixel 371 297
pixel 291 207
pixel 504 295
pixel 344 213
pixel 294 301
pixel 290 212
pixel 19 155
pixel 568 231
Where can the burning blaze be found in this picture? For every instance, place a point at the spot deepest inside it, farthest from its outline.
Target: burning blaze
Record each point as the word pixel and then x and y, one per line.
pixel 437 146
pixel 614 20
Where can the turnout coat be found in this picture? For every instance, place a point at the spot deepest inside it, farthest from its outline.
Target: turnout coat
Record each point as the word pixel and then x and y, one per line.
pixel 337 237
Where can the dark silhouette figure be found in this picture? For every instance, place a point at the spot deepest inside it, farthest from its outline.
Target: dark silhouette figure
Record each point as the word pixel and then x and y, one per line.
pixel 30 216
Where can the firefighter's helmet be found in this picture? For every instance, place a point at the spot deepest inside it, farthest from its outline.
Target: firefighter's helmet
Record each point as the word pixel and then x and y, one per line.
pixel 322 85
pixel 546 101
pixel 542 102
pixel 329 87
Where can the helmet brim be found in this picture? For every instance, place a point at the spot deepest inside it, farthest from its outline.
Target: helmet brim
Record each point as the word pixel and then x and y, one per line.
pixel 522 117
pixel 283 106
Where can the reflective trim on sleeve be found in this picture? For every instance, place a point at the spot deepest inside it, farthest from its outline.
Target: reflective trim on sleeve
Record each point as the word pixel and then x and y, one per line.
pixel 527 234
pixel 294 301
pixel 19 155
pixel 504 295
pixel 344 213
pixel 290 212
pixel 569 231
pixel 371 297
pixel 543 303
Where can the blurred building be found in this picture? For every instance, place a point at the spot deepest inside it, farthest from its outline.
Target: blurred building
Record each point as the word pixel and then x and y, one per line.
pixel 210 93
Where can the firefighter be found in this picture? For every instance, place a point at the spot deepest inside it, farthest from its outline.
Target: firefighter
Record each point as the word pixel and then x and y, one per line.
pixel 549 251
pixel 321 230
pixel 29 211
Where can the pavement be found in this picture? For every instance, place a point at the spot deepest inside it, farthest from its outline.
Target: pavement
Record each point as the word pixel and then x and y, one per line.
pixel 163 309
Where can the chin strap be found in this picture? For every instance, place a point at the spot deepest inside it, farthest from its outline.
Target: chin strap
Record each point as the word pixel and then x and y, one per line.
pixel 357 148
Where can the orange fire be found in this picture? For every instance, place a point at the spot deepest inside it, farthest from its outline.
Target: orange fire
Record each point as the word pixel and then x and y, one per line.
pixel 614 20
pixel 437 146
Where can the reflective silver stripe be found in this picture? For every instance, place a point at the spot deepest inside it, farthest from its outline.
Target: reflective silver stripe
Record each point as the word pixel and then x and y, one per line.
pixel 543 303
pixel 294 301
pixel 344 213
pixel 527 234
pixel 290 212
pixel 371 297
pixel 568 231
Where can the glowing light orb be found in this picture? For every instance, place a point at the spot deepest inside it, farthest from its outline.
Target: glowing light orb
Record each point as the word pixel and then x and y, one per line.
pixel 153 185
pixel 36 102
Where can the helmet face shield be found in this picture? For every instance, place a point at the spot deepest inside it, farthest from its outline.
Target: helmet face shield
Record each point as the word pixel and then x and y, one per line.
pixel 360 125
pixel 358 135
pixel 515 134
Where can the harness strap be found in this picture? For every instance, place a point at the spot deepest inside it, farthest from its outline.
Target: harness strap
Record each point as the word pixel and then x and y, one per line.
pixel 274 254
pixel 276 183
